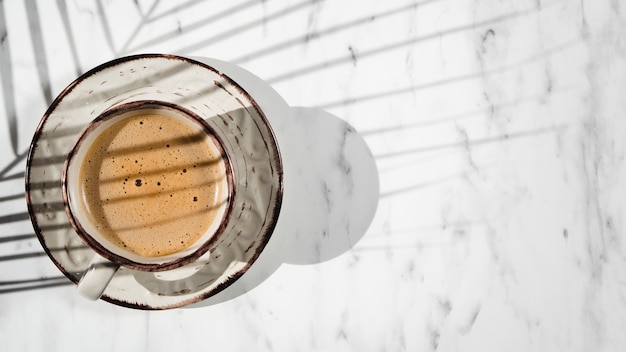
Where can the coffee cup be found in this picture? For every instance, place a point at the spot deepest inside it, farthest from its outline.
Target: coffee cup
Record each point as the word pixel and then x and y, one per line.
pixel 89 235
pixel 147 186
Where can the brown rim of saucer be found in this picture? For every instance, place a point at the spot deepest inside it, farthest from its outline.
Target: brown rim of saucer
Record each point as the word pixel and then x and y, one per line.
pixel 264 237
pixel 97 246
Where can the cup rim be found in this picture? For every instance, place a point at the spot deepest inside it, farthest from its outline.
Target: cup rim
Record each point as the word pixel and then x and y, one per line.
pixel 120 259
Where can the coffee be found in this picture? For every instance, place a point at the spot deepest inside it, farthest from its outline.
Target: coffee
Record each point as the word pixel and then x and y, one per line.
pixel 152 183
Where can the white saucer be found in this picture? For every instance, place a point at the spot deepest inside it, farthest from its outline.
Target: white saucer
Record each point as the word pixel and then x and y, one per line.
pixel 246 131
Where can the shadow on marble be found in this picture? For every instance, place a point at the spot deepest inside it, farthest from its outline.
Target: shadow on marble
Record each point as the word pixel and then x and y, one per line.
pixel 175 33
pixel 476 142
pixel 482 73
pixel 313 34
pixel 6 72
pixel 331 194
pixel 317 34
pixel 353 56
pixel 33 284
pixel 10 286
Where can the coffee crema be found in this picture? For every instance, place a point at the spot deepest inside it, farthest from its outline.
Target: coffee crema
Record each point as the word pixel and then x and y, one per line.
pixel 152 184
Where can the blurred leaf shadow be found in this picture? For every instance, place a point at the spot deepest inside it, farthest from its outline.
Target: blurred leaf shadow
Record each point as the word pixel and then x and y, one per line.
pixel 273 49
pixel 33 284
pixel 355 56
pixel 6 72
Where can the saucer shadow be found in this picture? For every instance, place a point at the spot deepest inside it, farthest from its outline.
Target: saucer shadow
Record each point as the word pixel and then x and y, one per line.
pixel 331 188
pixel 331 192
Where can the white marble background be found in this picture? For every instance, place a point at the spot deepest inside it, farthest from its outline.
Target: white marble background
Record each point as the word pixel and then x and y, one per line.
pixel 498 131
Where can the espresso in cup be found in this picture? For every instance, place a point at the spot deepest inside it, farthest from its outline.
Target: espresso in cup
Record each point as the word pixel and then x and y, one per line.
pixel 148 186
pixel 152 184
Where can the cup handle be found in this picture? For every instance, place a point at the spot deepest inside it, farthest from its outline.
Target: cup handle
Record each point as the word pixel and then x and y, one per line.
pixel 96 278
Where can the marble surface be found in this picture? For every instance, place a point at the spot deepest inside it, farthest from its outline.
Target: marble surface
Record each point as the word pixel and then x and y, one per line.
pixel 496 130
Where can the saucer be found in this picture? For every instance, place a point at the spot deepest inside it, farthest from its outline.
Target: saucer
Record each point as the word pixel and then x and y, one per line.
pixel 243 128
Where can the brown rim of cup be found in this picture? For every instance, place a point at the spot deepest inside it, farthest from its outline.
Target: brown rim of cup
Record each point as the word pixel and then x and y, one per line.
pixel 123 261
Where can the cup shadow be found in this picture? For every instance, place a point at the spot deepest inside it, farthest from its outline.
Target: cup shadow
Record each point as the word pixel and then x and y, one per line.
pixel 331 192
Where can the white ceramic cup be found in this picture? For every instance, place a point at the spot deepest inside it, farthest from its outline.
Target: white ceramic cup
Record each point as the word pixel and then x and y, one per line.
pixel 110 256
